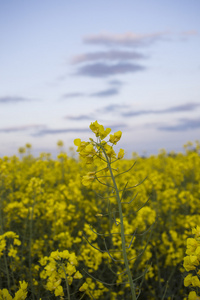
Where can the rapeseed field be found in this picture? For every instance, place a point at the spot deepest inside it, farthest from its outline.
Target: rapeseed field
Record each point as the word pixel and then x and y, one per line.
pixel 101 226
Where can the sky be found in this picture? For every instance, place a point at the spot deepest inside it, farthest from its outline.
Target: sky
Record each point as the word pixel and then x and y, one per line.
pixel 131 65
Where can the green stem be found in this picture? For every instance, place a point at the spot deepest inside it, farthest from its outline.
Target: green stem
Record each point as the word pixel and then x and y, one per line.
pixel 122 227
pixel 7 271
pixel 67 284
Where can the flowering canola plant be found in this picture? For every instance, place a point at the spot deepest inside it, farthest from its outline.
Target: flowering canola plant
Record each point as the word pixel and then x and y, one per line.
pixel 103 151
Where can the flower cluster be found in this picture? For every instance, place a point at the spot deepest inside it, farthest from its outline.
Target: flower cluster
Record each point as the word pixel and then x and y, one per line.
pixel 21 294
pixel 97 150
pixel 7 245
pixel 59 267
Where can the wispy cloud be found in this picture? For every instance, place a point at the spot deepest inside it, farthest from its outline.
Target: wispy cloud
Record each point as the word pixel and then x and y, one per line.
pixel 129 39
pixel 12 99
pixel 105 70
pixel 103 93
pixel 116 126
pixel 78 118
pixel 183 125
pixel 73 95
pixel 107 55
pixel 116 82
pixel 21 128
pixel 44 132
pixel 113 108
pixel 179 108
pixel 189 33
pixel 106 93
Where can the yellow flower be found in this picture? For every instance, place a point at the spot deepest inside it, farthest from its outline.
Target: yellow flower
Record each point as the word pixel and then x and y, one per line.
pixel 191 246
pixel 109 151
pixel 120 154
pixel 60 143
pixel 190 262
pixel 195 281
pixel 73 259
pixel 17 242
pixel 55 255
pixel 70 269
pixel 196 231
pixel 188 280
pixel 84 287
pixel 99 130
pixel 87 179
pixel 115 138
pixel 59 291
pixel 4 294
pixel 78 275
pixel 23 285
pixel 77 142
pixel 12 252
pixel 193 296
pixel 64 254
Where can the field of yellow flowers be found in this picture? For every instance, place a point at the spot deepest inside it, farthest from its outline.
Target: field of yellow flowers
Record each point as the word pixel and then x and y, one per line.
pixel 60 224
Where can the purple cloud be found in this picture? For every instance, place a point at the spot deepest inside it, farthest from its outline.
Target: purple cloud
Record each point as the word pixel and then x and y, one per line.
pixel 12 99
pixel 73 95
pixel 58 131
pixel 179 108
pixel 21 128
pixel 78 118
pixel 129 39
pixel 110 56
pixel 113 108
pixel 106 93
pixel 104 70
pixel 183 125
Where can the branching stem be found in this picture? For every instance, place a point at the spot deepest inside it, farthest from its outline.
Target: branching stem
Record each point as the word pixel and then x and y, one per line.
pixel 121 226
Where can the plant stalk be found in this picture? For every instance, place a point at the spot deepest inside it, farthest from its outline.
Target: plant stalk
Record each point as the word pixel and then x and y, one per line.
pixel 122 228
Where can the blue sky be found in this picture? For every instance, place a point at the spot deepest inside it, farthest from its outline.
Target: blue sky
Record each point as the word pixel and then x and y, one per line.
pixel 132 65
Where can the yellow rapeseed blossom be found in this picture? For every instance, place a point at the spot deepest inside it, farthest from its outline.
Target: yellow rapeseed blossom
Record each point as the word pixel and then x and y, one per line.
pixel 4 295
pixel 114 138
pixel 120 154
pixel 59 291
pixel 84 287
pixel 88 179
pixel 193 296
pixel 99 130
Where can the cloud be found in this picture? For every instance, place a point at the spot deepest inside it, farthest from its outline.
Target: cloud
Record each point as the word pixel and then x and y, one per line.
pixel 116 126
pixel 58 131
pixel 78 118
pixel 109 55
pixel 183 125
pixel 104 70
pixel 189 33
pixel 12 99
pixel 129 39
pixel 184 107
pixel 113 108
pixel 73 95
pixel 179 108
pixel 106 93
pixel 116 82
pixel 21 128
